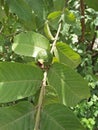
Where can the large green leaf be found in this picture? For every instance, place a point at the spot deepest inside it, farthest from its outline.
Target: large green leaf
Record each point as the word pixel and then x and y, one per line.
pixel 17 117
pixel 59 117
pixel 24 12
pixel 92 4
pixel 70 86
pixel 30 43
pixel 48 4
pixel 18 81
pixel 32 13
pixel 41 8
pixel 66 55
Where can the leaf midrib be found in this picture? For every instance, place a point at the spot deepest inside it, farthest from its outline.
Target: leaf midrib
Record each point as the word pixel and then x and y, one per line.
pixel 8 82
pixel 11 122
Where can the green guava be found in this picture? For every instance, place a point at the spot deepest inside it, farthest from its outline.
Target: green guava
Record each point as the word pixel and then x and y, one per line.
pixel 44 57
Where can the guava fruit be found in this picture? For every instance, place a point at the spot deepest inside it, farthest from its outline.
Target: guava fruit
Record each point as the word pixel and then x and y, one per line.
pixel 44 57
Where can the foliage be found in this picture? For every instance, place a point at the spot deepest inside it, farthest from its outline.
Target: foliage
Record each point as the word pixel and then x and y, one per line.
pixel 41 91
pixel 87 111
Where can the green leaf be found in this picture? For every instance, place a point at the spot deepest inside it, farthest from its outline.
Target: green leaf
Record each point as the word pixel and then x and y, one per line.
pixel 41 9
pixel 69 85
pixel 59 117
pixel 48 4
pixel 54 18
pixel 69 17
pixel 50 96
pixel 66 55
pixel 17 117
pixel 59 4
pixel 18 81
pixel 29 44
pixel 32 13
pixel 24 12
pixel 92 4
pixel 54 15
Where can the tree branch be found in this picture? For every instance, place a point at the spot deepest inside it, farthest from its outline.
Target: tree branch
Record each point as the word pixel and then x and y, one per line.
pixel 82 11
pixel 42 91
pixel 91 45
pixel 39 107
pixel 93 41
pixel 94 38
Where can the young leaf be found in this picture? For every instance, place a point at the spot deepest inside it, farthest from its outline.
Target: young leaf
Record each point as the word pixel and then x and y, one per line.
pixel 18 81
pixel 69 17
pixel 59 117
pixel 70 86
pixel 54 18
pixel 66 55
pixel 17 117
pixel 30 43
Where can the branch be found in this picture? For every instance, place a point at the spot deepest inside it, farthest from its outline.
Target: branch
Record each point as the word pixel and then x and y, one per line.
pixel 41 96
pixel 93 41
pixel 94 38
pixel 56 38
pixel 91 45
pixel 42 92
pixel 82 10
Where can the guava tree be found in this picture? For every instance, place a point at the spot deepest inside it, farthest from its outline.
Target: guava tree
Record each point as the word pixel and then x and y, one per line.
pixel 40 83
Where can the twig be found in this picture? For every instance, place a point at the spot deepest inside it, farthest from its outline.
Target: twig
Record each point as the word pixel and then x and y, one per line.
pixel 56 38
pixel 82 10
pixel 94 38
pixel 39 107
pixel 93 41
pixel 91 45
pixel 42 91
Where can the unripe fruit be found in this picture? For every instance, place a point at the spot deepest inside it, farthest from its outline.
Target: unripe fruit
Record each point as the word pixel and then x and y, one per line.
pixel 44 57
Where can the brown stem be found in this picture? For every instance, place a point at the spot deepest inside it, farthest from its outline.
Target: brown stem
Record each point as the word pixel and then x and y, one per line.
pixel 91 45
pixel 93 41
pixel 39 106
pixel 42 91
pixel 82 11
